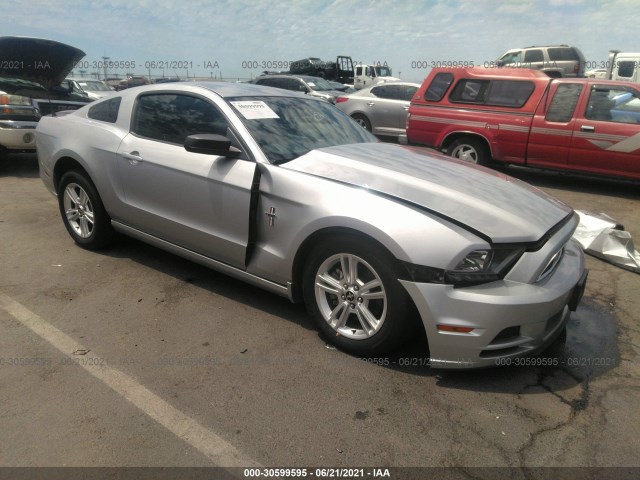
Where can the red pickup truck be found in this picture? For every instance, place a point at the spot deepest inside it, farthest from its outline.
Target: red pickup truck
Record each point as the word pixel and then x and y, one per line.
pixel 520 116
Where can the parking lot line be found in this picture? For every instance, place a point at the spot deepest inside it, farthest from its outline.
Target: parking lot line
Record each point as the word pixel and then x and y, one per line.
pixel 221 452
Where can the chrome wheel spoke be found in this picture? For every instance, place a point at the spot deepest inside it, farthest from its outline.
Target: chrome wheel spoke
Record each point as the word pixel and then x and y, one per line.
pixel 367 294
pixel 73 196
pixel 353 269
pixel 367 320
pixel 338 317
pixel 373 295
pixel 83 199
pixel 72 214
pixel 328 284
pixel 85 227
pixel 89 216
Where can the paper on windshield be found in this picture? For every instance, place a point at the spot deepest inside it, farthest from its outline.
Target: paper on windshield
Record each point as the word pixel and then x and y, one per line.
pixel 254 110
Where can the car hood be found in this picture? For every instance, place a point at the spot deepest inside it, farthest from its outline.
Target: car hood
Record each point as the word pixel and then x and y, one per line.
pixel 46 62
pixel 498 206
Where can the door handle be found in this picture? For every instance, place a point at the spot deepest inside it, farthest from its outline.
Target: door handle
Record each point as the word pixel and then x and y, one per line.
pixel 371 104
pixel 406 108
pixel 133 157
pixel 587 128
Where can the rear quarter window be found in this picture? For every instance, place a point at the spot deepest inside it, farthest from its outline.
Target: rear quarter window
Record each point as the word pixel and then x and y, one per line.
pixel 106 111
pixel 562 54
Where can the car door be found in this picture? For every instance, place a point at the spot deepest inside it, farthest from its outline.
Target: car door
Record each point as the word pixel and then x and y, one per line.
pixel 200 202
pixel 385 110
pixel 552 128
pixel 606 136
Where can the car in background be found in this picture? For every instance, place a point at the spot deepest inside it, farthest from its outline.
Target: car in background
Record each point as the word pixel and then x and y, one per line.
pixel 624 107
pixel 167 80
pixel 523 117
pixel 31 71
pixel 596 73
pixel 381 109
pixel 313 86
pixel 134 81
pixel 557 61
pixel 341 87
pixel 94 89
pixel 286 192
pixel 113 82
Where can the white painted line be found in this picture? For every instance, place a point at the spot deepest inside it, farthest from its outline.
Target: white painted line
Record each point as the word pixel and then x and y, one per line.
pixel 221 452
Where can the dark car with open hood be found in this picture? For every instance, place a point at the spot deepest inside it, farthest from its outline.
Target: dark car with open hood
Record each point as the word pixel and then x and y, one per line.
pixel 31 71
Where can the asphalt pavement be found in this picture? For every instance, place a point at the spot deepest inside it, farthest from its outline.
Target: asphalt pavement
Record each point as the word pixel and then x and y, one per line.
pixel 133 357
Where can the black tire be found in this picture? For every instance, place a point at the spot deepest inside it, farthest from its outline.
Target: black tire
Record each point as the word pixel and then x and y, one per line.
pixel 389 304
pixel 82 211
pixel 362 121
pixel 470 149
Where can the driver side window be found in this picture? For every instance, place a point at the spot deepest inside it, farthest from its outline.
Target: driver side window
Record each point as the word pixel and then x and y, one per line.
pixel 173 117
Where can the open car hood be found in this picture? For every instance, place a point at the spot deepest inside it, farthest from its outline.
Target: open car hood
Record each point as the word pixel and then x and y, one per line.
pixel 46 62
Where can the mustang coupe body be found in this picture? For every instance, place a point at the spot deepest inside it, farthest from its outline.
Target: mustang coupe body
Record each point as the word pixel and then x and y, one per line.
pixel 288 193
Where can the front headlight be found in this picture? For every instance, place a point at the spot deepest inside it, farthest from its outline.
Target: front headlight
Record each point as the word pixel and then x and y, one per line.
pixel 483 266
pixel 6 99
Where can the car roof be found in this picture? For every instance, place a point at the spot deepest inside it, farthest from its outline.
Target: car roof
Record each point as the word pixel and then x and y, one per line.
pixel 492 73
pixel 290 75
pixel 222 89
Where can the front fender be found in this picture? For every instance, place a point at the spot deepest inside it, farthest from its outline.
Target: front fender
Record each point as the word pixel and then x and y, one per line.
pixel 306 206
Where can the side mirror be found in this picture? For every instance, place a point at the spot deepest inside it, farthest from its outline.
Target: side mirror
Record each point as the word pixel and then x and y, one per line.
pixel 209 144
pixel 500 63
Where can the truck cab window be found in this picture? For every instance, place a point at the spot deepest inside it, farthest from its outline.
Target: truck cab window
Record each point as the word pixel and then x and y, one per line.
pixel 564 103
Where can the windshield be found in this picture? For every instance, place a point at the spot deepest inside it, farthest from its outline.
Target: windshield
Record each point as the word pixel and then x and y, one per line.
pixel 319 84
pixel 94 86
pixel 286 128
pixel 383 71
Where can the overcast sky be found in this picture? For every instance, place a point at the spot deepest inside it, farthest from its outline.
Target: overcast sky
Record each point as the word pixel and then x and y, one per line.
pixel 236 38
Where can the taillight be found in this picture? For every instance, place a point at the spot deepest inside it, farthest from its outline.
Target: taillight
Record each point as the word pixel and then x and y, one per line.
pixel 576 68
pixel 4 99
pixel 341 99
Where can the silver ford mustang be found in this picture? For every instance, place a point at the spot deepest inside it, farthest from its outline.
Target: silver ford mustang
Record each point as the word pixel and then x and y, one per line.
pixel 286 192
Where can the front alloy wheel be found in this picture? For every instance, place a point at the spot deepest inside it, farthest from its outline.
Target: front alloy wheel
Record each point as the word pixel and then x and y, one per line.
pixel 351 289
pixel 350 296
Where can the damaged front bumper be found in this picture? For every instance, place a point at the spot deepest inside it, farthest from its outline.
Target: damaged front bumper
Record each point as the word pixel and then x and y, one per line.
pixel 501 320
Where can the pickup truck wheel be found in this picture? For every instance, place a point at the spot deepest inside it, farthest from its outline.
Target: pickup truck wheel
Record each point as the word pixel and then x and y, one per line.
pixel 362 121
pixel 470 150
pixel 351 290
pixel 82 211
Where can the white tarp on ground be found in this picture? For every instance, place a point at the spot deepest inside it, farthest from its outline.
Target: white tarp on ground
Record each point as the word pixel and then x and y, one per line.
pixel 602 237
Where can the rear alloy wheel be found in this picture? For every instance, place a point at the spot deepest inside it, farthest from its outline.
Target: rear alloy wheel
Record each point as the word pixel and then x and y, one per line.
pixel 470 150
pixel 352 292
pixel 362 121
pixel 82 212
